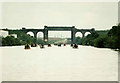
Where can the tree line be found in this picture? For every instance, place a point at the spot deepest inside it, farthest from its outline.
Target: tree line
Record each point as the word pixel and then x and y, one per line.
pixel 109 40
pixel 22 39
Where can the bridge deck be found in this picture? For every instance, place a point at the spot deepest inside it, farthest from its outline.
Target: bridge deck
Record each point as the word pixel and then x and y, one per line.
pixel 58 28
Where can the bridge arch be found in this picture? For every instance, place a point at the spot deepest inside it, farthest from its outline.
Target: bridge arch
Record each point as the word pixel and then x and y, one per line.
pixel 86 33
pixel 30 33
pixel 40 35
pixel 78 34
pixel 74 31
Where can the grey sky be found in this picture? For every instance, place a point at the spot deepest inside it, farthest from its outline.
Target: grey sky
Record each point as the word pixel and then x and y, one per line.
pixel 98 15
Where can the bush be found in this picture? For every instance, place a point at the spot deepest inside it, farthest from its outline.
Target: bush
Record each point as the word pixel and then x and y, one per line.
pixel 100 42
pixel 10 41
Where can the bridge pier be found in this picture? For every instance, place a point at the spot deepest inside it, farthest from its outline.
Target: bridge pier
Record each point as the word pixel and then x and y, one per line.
pixel 83 33
pixel 35 36
pixel 46 35
pixel 72 36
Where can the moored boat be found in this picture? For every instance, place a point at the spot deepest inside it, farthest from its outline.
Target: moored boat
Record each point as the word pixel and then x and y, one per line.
pixel 59 45
pixel 49 45
pixel 27 46
pixel 71 45
pixel 33 45
pixel 64 44
pixel 75 46
pixel 42 46
pixel 55 44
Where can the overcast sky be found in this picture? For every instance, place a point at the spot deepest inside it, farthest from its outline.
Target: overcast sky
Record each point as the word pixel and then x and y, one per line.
pixel 83 15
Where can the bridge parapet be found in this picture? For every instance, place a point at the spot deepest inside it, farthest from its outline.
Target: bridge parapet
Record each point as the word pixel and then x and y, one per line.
pixel 58 28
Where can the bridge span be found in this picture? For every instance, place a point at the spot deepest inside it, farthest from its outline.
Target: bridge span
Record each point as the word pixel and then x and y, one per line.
pixel 57 28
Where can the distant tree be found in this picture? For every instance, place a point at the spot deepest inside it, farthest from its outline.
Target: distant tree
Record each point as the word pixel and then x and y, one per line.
pixel 40 41
pixel 100 42
pixel 91 37
pixel 77 39
pixel 88 40
pixel 118 24
pixel 10 41
pixel 114 37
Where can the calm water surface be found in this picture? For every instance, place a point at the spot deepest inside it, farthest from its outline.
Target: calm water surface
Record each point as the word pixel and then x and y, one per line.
pixel 59 64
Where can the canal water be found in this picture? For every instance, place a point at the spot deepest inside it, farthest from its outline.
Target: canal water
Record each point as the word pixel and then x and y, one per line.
pixel 59 64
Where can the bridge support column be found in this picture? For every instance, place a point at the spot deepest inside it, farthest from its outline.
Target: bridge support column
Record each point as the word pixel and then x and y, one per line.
pixel 35 36
pixel 72 36
pixel 83 33
pixel 46 35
